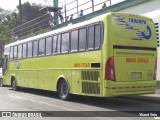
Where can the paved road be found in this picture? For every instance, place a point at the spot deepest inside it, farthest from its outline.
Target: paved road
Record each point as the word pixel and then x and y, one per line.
pixel 38 100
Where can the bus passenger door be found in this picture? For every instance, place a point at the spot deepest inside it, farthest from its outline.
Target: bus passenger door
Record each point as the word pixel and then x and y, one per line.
pixel 5 64
pixel 75 82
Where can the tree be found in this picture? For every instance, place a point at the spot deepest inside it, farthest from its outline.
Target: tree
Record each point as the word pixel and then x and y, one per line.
pixel 30 11
pixel 4 26
pixel 10 21
pixel 33 20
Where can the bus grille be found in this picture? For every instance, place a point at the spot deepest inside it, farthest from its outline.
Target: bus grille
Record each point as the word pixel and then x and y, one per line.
pixel 90 88
pixel 90 75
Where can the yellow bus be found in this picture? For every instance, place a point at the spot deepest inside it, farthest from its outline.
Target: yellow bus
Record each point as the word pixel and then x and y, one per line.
pixel 110 55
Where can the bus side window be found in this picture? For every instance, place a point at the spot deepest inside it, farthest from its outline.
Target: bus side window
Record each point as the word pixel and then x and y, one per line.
pixel 65 42
pixel 41 47
pixel 35 48
pixel 74 40
pixel 48 45
pixel 19 51
pixel 54 44
pixel 11 53
pixel 30 48
pixel 82 39
pixel 58 47
pixel 15 52
pixel 7 50
pixel 24 50
pixel 91 32
pixel 97 36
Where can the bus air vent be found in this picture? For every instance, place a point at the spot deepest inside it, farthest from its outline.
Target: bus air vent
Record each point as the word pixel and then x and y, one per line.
pixel 90 88
pixel 90 75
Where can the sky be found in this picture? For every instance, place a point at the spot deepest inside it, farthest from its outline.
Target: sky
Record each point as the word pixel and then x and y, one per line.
pixel 11 4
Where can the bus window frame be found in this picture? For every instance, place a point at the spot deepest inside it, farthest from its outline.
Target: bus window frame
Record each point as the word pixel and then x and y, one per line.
pixel 34 56
pixel 15 57
pixel 55 52
pixel 92 25
pixel 31 50
pixel 81 50
pixel 43 38
pixel 72 51
pixel 7 50
pixel 50 46
pixel 101 35
pixel 68 32
pixel 11 51
pixel 59 36
pixel 21 52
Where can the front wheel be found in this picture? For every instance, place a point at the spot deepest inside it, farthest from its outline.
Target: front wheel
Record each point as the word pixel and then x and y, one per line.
pixel 63 91
pixel 14 85
pixel 1 82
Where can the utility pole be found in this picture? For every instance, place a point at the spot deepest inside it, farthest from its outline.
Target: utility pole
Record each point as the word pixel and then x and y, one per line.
pixel 65 9
pixel 20 11
pixel 55 4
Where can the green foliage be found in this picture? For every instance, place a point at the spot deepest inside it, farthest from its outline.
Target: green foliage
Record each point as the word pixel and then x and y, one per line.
pixel 30 11
pixel 11 19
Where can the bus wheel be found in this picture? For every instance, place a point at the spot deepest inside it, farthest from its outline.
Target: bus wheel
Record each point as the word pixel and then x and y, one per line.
pixel 63 91
pixel 1 82
pixel 14 85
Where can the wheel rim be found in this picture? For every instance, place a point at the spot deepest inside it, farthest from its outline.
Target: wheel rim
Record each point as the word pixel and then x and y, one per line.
pixel 63 89
pixel 1 83
pixel 13 84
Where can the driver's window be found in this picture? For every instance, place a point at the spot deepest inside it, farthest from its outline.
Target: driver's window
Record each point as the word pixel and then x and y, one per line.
pixel 5 64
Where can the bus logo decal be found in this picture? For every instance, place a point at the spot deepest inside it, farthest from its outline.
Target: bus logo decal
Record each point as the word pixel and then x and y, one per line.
pixel 136 21
pixel 146 34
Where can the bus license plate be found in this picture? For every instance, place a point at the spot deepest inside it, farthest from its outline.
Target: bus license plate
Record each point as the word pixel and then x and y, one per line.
pixel 136 75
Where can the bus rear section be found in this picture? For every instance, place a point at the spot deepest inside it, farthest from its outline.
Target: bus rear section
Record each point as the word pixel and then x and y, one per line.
pixel 130 66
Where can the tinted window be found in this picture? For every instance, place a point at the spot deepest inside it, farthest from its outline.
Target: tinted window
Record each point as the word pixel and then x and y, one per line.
pixel 65 42
pixel 54 43
pixel 11 53
pixel 19 51
pixel 74 40
pixel 48 45
pixel 15 52
pixel 58 44
pixel 35 48
pixel 7 50
pixel 24 50
pixel 29 53
pixel 91 37
pixel 82 39
pixel 41 47
pixel 97 35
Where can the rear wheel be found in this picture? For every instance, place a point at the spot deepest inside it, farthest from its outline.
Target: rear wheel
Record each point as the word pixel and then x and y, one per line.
pixel 14 85
pixel 63 90
pixel 1 82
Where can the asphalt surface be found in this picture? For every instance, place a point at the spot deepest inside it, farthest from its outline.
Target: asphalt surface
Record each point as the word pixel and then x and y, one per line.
pixel 79 107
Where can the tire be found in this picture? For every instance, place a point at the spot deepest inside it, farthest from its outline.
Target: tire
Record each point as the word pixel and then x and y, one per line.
pixel 1 82
pixel 14 85
pixel 63 90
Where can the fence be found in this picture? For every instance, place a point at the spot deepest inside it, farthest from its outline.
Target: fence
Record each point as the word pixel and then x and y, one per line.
pixel 47 21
